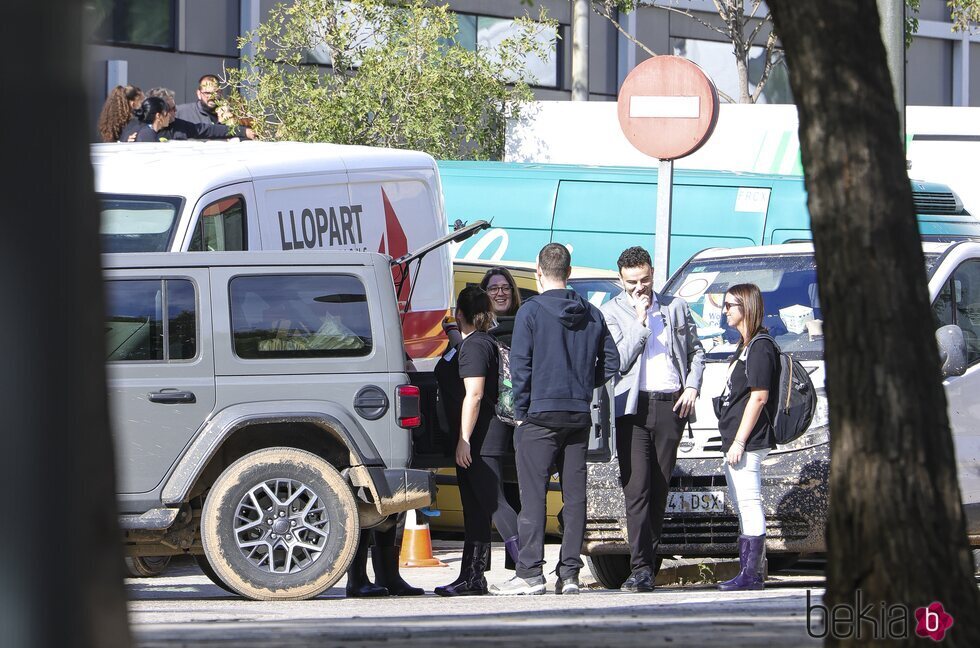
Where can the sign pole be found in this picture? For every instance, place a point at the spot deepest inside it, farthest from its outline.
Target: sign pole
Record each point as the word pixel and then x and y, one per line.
pixel 665 194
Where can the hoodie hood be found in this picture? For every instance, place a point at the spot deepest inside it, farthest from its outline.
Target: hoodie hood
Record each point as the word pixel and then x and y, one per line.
pixel 566 305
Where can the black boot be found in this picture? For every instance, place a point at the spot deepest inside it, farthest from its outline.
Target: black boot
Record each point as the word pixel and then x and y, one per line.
pixel 465 567
pixel 386 573
pixel 474 584
pixel 358 585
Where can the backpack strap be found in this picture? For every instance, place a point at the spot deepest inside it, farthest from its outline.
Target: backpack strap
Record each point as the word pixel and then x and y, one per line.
pixel 765 336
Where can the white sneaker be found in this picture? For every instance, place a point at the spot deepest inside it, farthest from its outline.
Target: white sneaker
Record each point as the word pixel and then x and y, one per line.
pixel 518 586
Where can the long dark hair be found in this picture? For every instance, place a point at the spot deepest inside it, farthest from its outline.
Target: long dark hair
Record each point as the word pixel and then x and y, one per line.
pixel 475 307
pixel 515 294
pixel 151 107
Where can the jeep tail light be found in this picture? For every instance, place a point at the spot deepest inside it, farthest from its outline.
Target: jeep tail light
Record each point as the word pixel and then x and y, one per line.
pixel 408 406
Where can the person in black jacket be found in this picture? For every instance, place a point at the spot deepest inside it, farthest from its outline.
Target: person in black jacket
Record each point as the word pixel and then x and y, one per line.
pixel 467 376
pixel 560 353
pixel 153 116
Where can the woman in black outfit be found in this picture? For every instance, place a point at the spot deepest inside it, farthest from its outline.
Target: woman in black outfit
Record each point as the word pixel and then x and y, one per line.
pixel 155 115
pixel 467 376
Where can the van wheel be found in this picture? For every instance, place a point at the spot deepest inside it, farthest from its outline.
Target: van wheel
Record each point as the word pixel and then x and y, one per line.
pixel 279 524
pixel 146 566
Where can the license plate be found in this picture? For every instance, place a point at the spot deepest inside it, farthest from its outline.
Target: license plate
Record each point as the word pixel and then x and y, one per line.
pixel 696 502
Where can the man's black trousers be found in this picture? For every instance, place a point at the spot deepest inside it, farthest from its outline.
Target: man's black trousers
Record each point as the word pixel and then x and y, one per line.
pixel 538 449
pixel 647 446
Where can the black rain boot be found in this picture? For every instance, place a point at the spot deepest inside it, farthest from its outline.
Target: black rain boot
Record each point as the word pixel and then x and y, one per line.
pixel 358 585
pixel 512 550
pixel 464 572
pixel 386 573
pixel 477 584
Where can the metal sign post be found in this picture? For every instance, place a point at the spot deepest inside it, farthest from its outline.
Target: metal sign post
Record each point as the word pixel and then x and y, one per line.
pixel 661 251
pixel 668 108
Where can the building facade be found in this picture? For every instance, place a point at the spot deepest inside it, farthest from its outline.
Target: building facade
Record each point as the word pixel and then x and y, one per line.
pixel 172 43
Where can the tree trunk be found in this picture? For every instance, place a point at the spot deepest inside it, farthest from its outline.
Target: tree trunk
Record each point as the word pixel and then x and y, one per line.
pixel 62 565
pixel 896 528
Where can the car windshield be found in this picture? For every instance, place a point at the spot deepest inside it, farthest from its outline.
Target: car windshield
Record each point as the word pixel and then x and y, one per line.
pixel 597 291
pixel 137 223
pixel 789 292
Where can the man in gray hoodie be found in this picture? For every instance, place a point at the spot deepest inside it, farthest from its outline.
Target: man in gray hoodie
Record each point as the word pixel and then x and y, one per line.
pixel 560 352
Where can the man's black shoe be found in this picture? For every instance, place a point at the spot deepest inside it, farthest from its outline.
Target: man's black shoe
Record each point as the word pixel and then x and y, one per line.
pixel 639 581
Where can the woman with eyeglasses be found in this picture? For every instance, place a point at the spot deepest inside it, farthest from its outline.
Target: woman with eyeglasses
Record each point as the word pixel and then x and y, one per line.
pixel 745 415
pixel 155 115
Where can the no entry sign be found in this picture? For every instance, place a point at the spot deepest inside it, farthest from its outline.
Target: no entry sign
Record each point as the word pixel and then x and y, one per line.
pixel 668 107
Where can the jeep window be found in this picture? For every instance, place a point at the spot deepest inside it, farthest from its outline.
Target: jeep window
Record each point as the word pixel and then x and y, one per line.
pixel 137 223
pixel 221 226
pixel 136 329
pixel 299 316
pixel 789 291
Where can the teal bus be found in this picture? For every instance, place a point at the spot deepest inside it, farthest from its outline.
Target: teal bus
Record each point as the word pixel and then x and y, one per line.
pixel 599 211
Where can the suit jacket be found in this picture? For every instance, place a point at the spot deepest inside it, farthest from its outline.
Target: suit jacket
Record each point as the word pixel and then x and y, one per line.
pixel 630 335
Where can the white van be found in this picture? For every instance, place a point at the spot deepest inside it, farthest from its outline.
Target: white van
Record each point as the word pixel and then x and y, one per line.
pixel 208 196
pixel 700 520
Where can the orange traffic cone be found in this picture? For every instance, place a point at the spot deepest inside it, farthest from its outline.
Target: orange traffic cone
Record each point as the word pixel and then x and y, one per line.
pixel 417 544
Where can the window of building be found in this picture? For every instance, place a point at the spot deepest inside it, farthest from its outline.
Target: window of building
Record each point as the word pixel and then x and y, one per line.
pixel 485 33
pixel 220 227
pixel 718 62
pixel 150 320
pixel 150 23
pixel 300 316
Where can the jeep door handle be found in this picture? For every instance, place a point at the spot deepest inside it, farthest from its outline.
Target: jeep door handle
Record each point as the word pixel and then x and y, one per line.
pixel 172 397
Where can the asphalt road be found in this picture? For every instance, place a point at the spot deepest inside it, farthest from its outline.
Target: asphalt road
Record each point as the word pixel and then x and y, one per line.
pixel 183 608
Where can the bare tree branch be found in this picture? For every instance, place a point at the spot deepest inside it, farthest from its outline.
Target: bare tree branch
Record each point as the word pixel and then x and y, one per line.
pixel 621 30
pixel 770 46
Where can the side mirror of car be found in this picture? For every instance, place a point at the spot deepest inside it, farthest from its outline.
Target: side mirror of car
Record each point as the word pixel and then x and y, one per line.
pixel 952 350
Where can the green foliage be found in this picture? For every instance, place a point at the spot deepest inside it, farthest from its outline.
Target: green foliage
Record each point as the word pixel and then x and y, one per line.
pixel 397 79
pixel 963 13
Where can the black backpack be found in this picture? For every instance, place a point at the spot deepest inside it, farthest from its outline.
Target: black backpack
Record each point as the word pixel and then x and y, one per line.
pixel 505 388
pixel 797 396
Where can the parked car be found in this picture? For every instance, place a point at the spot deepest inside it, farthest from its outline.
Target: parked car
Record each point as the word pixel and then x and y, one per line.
pixel 700 519
pixel 598 286
pixel 261 411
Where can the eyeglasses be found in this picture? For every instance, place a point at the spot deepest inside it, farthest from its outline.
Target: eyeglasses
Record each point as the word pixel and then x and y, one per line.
pixel 730 305
pixel 502 288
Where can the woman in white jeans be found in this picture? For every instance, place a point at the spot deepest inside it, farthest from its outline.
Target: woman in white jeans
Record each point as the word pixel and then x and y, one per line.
pixel 745 415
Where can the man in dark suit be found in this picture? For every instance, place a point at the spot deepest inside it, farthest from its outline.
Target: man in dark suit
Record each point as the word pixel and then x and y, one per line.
pixel 661 363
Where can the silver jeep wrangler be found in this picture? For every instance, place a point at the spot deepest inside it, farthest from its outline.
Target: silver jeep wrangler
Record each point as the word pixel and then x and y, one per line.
pixel 261 412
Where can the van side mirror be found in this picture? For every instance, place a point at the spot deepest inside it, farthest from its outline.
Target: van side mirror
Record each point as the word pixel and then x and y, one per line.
pixel 952 350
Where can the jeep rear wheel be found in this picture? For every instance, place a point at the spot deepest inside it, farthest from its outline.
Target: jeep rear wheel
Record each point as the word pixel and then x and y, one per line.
pixel 146 566
pixel 279 524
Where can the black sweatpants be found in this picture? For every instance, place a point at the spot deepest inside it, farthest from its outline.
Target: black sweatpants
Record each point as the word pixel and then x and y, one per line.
pixel 481 491
pixel 647 446
pixel 538 449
